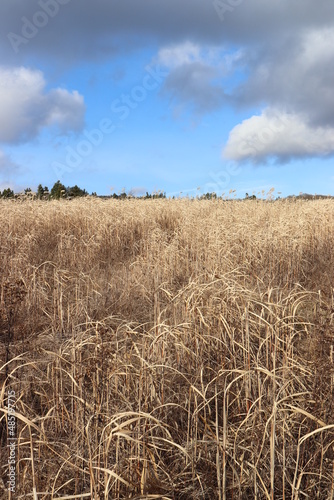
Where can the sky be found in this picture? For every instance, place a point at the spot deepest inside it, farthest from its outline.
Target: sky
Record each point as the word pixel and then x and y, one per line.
pixel 180 96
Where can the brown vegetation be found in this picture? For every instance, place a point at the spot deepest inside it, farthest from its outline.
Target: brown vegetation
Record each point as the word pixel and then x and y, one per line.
pixel 168 349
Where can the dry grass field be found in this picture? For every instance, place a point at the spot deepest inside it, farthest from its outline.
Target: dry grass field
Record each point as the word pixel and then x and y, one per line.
pixel 168 349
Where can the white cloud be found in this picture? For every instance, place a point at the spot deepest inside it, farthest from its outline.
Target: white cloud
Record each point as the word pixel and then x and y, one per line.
pixel 279 135
pixel 26 107
pixel 187 53
pixel 66 109
pixel 177 55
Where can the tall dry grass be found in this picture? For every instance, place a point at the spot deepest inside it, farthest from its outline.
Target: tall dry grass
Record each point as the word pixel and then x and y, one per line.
pixel 168 349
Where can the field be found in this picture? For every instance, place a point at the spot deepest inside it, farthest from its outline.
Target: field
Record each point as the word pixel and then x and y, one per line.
pixel 167 349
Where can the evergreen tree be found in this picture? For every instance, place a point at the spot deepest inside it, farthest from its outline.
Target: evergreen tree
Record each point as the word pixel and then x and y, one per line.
pixel 76 191
pixel 8 193
pixel 57 190
pixel 208 196
pixel 40 192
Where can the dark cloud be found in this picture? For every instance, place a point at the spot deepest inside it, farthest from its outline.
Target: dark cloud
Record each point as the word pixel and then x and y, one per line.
pixel 297 75
pixel 192 84
pixel 75 30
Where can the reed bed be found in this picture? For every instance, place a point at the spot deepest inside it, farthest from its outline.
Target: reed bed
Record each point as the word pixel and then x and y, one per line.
pixel 168 349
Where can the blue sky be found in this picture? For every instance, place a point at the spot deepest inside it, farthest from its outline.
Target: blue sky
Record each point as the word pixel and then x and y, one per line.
pixel 190 96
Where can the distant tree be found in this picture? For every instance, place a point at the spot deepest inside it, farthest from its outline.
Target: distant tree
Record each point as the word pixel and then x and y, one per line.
pixel 158 194
pixel 76 191
pixel 27 190
pixel 40 191
pixel 8 193
pixel 209 196
pixel 247 197
pixel 57 190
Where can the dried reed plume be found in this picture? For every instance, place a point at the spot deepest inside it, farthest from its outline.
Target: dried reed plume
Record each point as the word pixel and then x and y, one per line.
pixel 168 349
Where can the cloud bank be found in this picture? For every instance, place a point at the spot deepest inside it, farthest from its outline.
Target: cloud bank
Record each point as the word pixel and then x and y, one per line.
pixel 26 107
pixel 295 82
pixel 279 136
pixel 76 31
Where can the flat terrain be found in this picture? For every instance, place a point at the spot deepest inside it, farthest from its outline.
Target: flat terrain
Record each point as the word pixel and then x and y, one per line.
pixel 168 349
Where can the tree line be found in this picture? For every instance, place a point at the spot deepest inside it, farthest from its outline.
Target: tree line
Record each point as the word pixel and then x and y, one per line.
pixel 59 191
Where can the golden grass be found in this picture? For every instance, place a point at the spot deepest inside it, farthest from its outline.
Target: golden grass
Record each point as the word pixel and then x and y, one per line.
pixel 168 349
